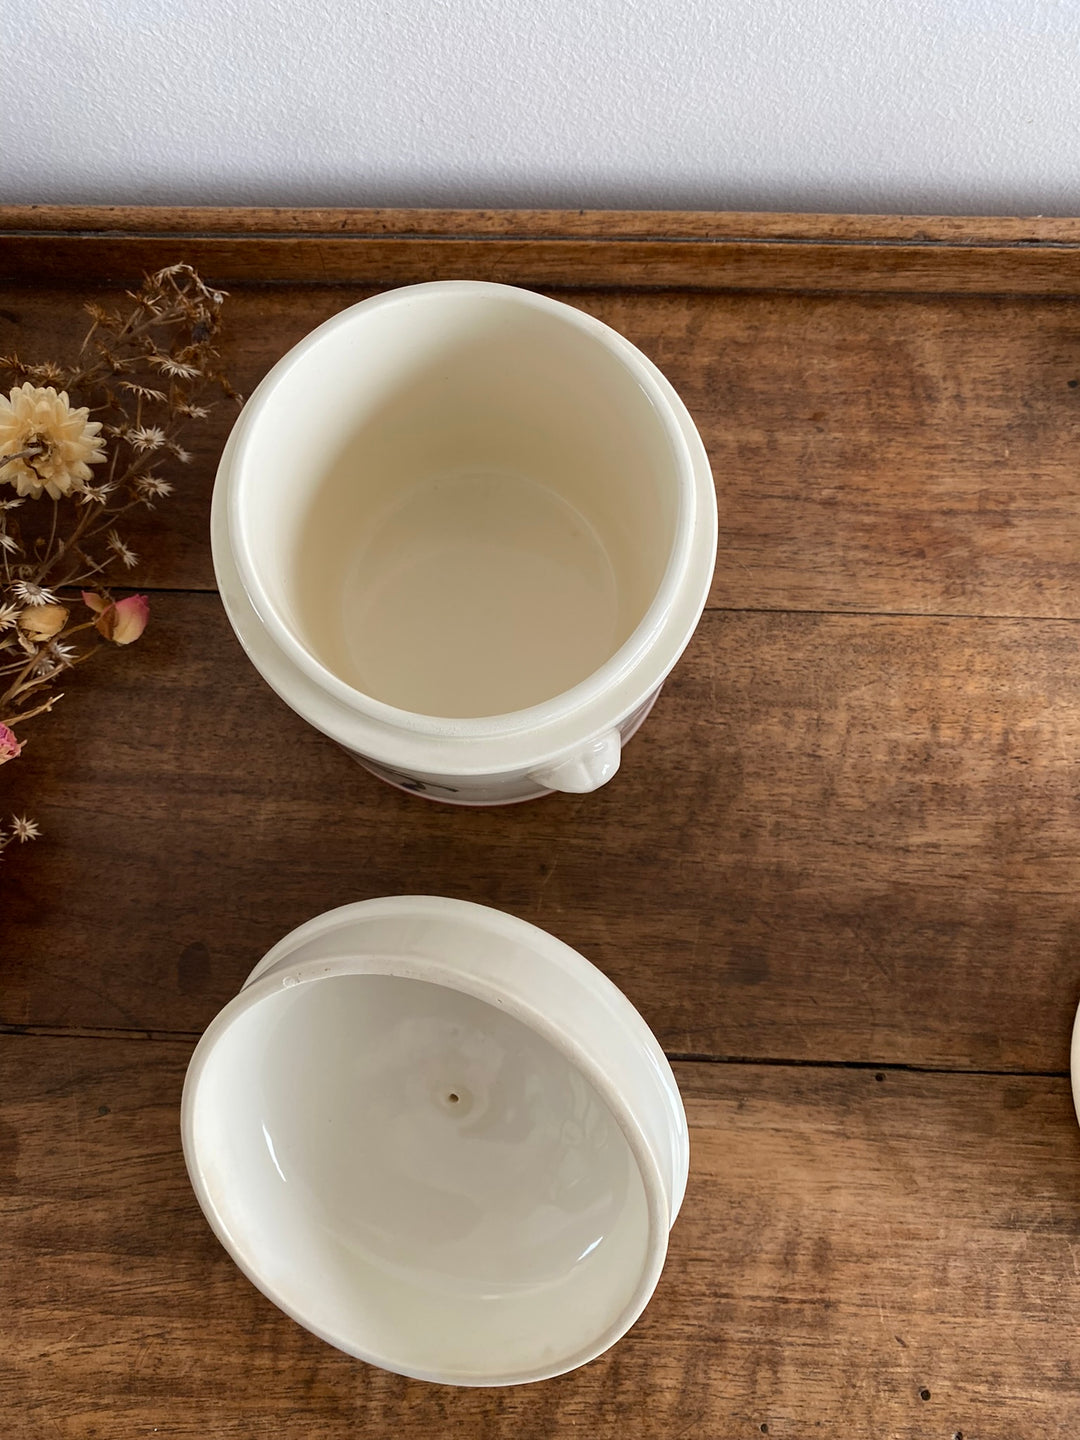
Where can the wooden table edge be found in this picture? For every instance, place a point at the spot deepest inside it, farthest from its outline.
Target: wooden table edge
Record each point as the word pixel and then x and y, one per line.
pixel 586 248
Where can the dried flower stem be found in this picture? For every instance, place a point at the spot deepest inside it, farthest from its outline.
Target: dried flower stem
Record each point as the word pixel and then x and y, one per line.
pixel 145 374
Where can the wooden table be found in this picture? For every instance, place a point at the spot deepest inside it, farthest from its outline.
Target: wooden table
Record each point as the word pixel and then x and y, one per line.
pixel 839 872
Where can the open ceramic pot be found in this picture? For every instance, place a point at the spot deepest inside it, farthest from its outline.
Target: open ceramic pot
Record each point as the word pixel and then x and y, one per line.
pixel 467 531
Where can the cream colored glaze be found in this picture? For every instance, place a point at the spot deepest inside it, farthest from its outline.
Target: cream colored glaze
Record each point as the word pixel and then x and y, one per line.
pixel 484 526
pixel 466 595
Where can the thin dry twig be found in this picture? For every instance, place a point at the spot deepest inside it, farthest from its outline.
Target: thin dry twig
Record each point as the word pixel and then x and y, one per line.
pixel 144 376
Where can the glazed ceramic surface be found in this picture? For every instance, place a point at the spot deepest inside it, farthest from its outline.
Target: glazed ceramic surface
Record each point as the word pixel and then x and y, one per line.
pixel 440 1139
pixel 467 531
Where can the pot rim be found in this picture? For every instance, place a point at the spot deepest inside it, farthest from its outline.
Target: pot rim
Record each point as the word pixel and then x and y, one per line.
pixel 483 745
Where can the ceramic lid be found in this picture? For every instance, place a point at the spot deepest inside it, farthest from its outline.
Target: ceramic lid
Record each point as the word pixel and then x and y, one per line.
pixel 440 1139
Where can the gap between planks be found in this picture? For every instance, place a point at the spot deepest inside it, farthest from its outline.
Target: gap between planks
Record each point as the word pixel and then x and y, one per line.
pixel 659 237
pixel 675 1057
pixel 711 609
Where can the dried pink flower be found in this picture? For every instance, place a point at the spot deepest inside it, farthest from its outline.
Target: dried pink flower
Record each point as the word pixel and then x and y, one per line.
pixel 9 744
pixel 121 621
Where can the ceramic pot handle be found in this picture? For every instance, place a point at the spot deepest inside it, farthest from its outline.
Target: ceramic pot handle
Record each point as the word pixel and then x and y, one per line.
pixel 589 768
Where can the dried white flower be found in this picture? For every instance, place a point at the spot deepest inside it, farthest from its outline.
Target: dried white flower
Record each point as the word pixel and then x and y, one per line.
pixel 66 442
pixel 29 593
pixel 8 543
pixel 52 658
pixel 95 494
pixel 143 391
pixel 47 370
pixel 146 437
pixel 12 504
pixel 177 368
pixel 184 456
pixel 9 616
pixel 120 550
pixel 24 829
pixel 152 486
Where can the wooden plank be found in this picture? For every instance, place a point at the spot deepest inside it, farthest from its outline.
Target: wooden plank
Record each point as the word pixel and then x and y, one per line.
pixel 582 248
pixel 872 454
pixel 837 838
pixel 696 263
pixel 885 454
pixel 172 541
pixel 889 1255
pixel 548 224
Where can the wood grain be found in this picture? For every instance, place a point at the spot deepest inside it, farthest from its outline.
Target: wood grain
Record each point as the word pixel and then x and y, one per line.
pixel 858 837
pixel 635 264
pixel 872 454
pixel 608 248
pixel 850 1244
pixel 550 224
pixel 848 837
pixel 904 455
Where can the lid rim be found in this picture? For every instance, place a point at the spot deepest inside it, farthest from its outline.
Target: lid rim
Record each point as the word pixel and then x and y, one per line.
pixel 280 969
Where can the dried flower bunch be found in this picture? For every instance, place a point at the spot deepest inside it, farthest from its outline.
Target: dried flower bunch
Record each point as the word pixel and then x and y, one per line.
pixel 144 377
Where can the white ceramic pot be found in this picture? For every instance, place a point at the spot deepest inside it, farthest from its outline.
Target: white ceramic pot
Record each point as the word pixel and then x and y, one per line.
pixel 466 531
pixel 440 1139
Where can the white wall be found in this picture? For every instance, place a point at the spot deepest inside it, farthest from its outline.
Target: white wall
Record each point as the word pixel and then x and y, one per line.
pixel 960 105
